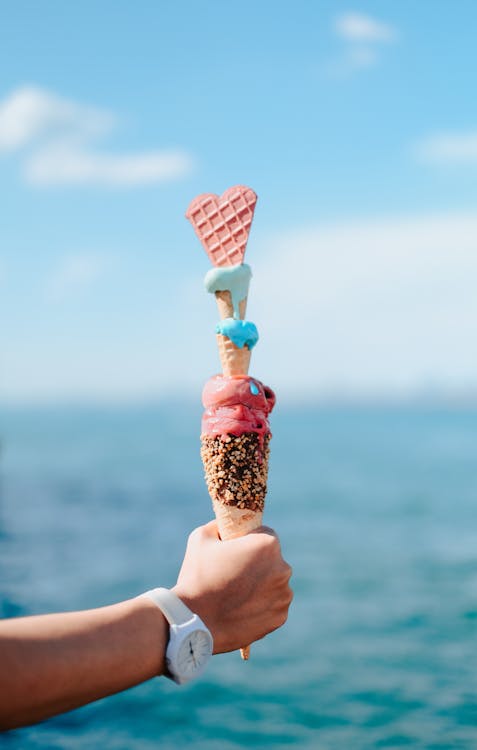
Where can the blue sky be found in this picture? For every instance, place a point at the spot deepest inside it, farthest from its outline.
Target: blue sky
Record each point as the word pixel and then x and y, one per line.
pixel 356 124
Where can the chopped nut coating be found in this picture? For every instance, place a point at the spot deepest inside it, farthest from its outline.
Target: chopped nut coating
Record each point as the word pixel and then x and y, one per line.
pixel 236 469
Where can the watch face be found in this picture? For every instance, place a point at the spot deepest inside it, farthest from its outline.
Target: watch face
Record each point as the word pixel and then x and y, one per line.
pixel 194 653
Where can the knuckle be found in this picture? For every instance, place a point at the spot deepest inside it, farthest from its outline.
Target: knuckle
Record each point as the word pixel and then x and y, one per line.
pixel 269 531
pixel 286 598
pixel 267 545
pixel 283 575
pixel 282 606
pixel 194 535
pixel 271 541
pixel 284 618
pixel 281 618
pixel 290 596
pixel 287 571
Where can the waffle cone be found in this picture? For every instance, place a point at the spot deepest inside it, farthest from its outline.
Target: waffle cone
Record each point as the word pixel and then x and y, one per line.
pixel 234 361
pixel 233 522
pixel 225 307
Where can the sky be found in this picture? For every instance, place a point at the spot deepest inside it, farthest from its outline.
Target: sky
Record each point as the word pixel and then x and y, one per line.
pixel 355 123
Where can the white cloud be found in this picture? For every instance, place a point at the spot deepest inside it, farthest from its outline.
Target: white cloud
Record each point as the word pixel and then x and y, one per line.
pixel 361 35
pixel 55 137
pixel 31 113
pixel 74 274
pixel 384 305
pixel 63 165
pixel 357 27
pixel 449 148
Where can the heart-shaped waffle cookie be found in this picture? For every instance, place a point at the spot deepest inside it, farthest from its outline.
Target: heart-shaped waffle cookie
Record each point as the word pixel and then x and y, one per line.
pixel 222 223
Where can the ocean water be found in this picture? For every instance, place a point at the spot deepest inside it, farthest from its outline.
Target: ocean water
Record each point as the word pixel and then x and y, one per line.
pixel 377 513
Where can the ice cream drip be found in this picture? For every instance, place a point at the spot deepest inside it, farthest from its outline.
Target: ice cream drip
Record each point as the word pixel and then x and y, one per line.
pixel 233 279
pixel 240 332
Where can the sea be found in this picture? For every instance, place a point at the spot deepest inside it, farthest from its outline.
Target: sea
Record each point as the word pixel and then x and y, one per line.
pixel 376 508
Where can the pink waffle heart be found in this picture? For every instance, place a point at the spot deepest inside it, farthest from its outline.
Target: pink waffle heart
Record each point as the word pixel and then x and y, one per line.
pixel 223 223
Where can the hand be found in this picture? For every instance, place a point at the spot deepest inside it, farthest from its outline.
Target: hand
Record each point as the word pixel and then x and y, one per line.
pixel 239 588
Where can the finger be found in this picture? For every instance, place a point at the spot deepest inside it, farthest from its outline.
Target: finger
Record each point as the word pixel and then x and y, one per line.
pixel 288 571
pixel 208 531
pixel 264 530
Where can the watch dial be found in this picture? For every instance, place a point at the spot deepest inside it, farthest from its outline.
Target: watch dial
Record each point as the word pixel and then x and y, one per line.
pixel 194 652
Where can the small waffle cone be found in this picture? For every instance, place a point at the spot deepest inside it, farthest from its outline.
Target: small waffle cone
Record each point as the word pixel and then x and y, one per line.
pixel 226 309
pixel 234 361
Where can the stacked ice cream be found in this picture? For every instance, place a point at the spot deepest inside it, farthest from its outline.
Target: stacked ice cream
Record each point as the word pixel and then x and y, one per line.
pixel 235 429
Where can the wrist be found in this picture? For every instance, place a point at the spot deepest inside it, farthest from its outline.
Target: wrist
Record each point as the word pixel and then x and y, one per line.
pixel 197 604
pixel 190 644
pixel 154 630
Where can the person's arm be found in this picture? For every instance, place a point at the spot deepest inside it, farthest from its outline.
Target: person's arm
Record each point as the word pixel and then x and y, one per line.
pixel 53 663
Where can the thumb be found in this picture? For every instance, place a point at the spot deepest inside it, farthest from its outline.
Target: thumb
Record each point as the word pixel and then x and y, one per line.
pixel 206 533
pixel 210 530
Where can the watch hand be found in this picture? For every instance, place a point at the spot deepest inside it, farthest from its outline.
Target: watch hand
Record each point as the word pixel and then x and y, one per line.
pixel 192 653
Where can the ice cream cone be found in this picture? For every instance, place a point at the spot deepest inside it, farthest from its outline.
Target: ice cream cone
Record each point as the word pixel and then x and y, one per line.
pixel 236 472
pixel 235 459
pixel 234 360
pixel 233 522
pixel 225 306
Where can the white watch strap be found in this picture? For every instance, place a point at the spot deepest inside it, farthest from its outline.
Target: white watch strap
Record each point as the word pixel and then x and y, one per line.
pixel 173 609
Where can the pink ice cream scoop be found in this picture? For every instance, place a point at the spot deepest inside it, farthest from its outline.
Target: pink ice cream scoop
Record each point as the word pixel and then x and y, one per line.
pixel 236 405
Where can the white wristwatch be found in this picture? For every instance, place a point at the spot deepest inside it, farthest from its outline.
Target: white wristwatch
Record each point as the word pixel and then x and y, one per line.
pixel 190 641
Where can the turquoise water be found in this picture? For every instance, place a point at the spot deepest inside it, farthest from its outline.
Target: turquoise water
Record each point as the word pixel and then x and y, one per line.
pixel 377 511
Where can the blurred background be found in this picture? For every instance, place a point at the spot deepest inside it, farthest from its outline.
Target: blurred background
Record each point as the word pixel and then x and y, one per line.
pixel 356 124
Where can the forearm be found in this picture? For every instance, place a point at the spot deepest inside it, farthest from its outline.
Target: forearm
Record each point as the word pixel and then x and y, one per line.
pixel 53 663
